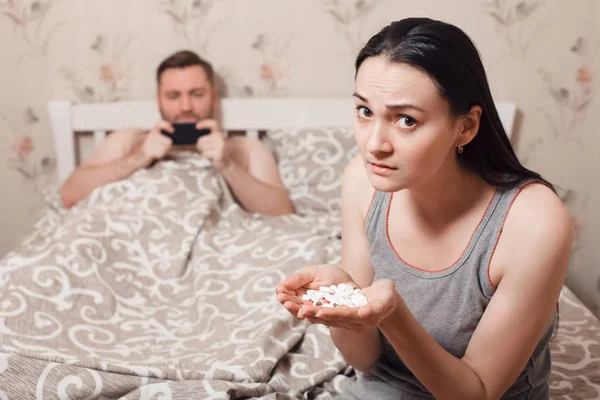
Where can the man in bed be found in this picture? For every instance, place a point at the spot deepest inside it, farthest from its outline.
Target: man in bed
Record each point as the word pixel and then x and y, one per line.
pixel 186 93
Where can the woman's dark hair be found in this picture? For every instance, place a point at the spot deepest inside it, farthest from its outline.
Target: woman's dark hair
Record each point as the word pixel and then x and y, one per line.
pixel 183 59
pixel 449 57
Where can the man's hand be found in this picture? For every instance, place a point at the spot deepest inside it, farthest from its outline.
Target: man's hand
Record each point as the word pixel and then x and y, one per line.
pixel 157 145
pixel 213 146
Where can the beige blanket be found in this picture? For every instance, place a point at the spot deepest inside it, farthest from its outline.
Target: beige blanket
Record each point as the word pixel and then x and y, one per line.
pixel 161 287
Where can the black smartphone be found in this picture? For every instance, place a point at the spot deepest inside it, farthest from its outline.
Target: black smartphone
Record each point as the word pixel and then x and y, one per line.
pixel 185 133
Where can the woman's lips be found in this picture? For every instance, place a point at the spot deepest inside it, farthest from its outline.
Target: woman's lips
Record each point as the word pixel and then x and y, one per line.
pixel 381 169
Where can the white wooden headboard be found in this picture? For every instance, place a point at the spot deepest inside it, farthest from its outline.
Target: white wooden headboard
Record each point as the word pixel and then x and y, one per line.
pixel 236 114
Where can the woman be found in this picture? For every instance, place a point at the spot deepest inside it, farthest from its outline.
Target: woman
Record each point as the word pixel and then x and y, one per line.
pixel 460 250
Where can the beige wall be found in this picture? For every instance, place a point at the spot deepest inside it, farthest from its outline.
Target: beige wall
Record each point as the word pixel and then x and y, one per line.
pixel 543 55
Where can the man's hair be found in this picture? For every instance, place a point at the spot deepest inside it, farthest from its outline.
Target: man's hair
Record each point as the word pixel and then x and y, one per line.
pixel 182 59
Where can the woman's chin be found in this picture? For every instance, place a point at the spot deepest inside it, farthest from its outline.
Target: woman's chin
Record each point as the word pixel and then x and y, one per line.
pixel 385 183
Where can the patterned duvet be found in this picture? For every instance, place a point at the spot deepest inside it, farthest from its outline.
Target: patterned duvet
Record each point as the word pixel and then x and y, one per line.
pixel 161 287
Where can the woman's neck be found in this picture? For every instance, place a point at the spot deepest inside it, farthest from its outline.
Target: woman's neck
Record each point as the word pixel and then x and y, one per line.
pixel 447 196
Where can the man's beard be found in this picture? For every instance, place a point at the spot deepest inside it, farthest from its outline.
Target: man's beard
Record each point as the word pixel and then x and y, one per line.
pixel 188 116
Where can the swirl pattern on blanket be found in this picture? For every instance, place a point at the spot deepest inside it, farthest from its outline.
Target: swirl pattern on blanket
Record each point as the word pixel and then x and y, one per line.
pixel 161 285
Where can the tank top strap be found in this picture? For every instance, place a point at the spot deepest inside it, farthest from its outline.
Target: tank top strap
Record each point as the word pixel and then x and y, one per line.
pixel 486 245
pixel 377 214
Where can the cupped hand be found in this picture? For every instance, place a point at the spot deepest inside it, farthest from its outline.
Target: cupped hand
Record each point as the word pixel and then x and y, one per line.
pixel 382 300
pixel 291 290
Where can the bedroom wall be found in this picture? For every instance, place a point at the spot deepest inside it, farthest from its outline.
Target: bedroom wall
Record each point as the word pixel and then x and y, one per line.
pixel 543 55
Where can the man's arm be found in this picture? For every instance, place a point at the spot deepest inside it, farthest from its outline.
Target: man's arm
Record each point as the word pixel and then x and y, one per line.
pixel 86 178
pixel 106 165
pixel 122 153
pixel 249 169
pixel 258 187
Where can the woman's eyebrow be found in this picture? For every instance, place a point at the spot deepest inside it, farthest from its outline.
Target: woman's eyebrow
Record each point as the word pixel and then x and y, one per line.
pixel 403 106
pixel 360 97
pixel 390 106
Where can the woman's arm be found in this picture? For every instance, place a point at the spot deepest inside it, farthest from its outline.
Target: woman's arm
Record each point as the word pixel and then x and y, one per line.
pixel 530 262
pixel 361 350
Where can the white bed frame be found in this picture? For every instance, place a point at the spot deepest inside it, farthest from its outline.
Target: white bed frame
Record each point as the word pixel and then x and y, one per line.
pixel 237 114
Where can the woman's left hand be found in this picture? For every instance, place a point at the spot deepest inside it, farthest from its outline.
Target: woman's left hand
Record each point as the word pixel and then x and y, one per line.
pixel 382 302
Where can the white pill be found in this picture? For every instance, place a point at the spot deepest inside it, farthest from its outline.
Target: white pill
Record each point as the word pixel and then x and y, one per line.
pixel 344 301
pixel 330 298
pixel 358 300
pixel 342 295
pixel 326 289
pixel 315 295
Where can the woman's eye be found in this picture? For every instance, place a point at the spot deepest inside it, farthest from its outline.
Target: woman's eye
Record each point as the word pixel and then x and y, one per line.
pixel 364 112
pixel 407 122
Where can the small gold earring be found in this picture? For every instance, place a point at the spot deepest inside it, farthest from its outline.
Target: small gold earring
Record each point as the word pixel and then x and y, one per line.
pixel 460 149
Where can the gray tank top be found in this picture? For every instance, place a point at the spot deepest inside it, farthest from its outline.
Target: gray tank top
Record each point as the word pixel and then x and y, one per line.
pixel 448 303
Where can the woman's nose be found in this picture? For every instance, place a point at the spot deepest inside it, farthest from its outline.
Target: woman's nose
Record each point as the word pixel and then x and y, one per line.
pixel 378 141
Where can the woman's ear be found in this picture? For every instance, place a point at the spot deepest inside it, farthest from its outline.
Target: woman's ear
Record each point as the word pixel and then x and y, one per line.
pixel 469 125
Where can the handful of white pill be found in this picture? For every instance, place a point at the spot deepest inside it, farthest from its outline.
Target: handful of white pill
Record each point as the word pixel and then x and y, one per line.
pixel 342 295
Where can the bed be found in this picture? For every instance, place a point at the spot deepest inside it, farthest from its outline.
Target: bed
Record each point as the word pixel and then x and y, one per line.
pixel 161 287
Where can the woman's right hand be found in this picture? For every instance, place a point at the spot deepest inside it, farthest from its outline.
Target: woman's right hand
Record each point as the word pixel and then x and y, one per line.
pixel 290 291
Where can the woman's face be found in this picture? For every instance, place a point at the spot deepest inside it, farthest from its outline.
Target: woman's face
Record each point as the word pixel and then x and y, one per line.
pixel 403 128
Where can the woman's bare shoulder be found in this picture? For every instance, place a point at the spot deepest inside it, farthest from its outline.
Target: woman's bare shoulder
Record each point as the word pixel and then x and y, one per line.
pixel 538 226
pixel 537 208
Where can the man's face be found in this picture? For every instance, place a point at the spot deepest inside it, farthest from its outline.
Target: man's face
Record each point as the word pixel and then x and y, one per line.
pixel 185 95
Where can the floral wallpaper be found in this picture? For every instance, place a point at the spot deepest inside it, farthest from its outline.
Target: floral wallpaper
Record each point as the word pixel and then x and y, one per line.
pixel 30 25
pixel 192 20
pixel 37 172
pixel 107 76
pixel 348 17
pixel 540 54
